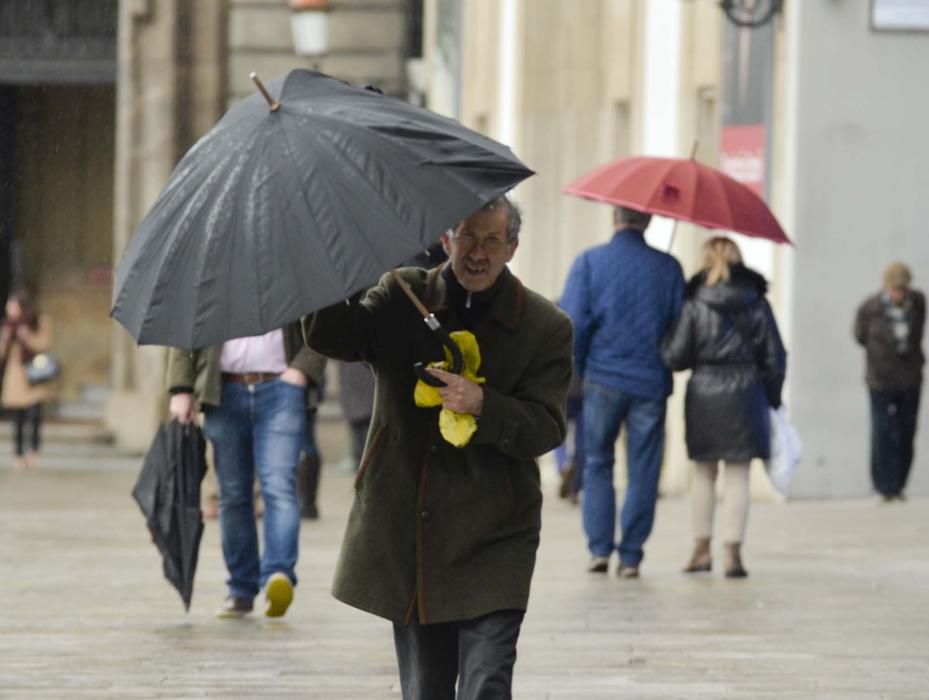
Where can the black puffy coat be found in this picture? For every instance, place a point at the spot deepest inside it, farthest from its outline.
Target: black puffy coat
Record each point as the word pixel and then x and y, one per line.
pixel 728 336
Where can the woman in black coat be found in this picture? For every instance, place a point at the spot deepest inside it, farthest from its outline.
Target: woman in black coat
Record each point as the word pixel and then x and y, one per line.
pixel 727 335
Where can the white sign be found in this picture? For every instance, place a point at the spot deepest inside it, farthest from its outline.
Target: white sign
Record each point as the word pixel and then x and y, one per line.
pixel 901 15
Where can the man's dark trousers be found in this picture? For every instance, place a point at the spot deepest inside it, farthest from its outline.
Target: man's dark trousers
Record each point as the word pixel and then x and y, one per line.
pixel 479 653
pixel 893 427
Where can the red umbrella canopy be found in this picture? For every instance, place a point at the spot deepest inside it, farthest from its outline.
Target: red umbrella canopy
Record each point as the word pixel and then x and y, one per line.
pixel 680 189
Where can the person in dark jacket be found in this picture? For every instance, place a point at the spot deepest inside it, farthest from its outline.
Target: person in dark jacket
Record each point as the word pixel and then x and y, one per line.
pixel 890 327
pixel 727 335
pixel 622 297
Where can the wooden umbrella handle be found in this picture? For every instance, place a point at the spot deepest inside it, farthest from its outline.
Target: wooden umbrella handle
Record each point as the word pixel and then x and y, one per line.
pixel 435 327
pixel 410 293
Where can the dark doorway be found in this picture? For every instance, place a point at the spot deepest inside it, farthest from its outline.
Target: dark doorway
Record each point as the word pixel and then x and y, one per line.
pixel 57 146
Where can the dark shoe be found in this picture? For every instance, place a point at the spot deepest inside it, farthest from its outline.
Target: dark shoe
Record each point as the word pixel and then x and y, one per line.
pixel 598 565
pixel 234 607
pixel 701 560
pixel 279 592
pixel 567 481
pixel 734 567
pixel 308 485
pixel 627 571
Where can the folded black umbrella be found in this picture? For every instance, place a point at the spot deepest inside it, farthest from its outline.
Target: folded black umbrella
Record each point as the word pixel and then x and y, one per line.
pixel 168 492
pixel 296 200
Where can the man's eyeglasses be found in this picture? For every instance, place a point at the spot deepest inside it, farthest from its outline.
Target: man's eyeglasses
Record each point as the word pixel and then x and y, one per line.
pixel 491 245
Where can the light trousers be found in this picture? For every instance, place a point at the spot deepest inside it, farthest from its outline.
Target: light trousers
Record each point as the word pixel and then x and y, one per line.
pixel 735 500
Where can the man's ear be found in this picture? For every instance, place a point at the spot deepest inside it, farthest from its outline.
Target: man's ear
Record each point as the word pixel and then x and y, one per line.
pixel 513 246
pixel 447 242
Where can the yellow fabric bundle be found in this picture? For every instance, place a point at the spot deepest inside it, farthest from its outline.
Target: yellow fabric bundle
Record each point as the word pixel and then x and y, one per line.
pixel 456 428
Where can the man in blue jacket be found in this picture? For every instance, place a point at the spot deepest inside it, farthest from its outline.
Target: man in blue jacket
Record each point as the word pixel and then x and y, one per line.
pixel 623 297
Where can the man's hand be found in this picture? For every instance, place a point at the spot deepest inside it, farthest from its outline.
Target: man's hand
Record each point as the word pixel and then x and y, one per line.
pixel 459 394
pixel 182 407
pixel 293 376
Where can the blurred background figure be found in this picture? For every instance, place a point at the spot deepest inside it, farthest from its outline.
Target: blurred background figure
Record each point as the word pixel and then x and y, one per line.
pixel 890 327
pixel 727 335
pixel 308 469
pixel 25 334
pixel 623 297
pixel 356 396
pixel 569 456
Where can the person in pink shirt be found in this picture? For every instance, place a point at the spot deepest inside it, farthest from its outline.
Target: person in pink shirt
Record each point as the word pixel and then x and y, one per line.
pixel 254 393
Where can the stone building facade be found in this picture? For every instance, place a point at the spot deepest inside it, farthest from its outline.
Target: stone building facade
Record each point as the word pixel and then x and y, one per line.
pixel 98 101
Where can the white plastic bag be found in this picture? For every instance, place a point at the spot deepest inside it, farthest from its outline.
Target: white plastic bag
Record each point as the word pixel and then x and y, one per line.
pixel 786 449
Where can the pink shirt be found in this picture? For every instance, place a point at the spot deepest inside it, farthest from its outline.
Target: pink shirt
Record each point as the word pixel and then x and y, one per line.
pixel 259 353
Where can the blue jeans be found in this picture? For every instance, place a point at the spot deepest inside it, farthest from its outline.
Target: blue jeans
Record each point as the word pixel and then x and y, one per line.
pixel 605 412
pixel 257 429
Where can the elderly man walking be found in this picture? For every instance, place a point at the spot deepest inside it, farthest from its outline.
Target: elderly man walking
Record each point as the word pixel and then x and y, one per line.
pixel 442 540
pixel 890 326
pixel 623 297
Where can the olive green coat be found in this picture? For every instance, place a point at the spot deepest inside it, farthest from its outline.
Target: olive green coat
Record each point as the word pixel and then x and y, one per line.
pixel 448 533
pixel 199 371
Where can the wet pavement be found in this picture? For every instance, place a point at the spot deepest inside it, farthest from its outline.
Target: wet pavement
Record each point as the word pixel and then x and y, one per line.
pixel 837 606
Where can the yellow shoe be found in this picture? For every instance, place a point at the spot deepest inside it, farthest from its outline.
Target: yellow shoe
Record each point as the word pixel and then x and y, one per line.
pixel 279 592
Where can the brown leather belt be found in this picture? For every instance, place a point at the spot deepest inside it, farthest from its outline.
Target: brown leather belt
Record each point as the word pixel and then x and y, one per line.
pixel 250 377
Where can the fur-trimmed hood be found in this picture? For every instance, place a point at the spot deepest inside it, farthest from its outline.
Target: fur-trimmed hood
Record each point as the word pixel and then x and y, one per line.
pixel 743 288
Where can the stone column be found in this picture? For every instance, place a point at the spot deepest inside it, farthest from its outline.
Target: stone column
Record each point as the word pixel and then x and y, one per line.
pixel 170 87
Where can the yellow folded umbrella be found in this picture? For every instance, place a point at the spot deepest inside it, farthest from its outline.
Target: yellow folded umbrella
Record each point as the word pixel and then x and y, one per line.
pixel 456 428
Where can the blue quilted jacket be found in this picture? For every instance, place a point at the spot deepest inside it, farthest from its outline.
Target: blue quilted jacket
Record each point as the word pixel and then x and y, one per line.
pixel 623 297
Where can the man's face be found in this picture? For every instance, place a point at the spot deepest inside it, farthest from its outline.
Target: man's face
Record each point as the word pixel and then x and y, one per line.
pixel 478 249
pixel 897 295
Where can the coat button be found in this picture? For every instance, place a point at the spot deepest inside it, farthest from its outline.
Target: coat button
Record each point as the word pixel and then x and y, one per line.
pixel 425 515
pixel 434 449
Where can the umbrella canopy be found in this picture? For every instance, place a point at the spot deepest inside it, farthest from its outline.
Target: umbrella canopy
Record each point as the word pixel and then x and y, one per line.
pixel 681 189
pixel 168 492
pixel 280 211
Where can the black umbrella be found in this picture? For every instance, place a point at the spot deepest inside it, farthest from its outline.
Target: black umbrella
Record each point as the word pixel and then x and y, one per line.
pixel 294 201
pixel 168 492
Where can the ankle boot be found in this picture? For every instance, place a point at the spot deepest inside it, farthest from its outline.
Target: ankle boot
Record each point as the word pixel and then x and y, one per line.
pixel 734 568
pixel 308 485
pixel 701 559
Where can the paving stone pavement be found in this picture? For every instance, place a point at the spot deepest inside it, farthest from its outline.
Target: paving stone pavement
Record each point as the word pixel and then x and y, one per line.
pixel 837 606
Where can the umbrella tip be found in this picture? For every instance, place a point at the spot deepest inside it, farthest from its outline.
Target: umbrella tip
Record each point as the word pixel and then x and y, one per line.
pixel 273 105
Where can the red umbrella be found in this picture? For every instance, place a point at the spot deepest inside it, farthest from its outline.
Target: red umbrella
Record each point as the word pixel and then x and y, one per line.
pixel 680 189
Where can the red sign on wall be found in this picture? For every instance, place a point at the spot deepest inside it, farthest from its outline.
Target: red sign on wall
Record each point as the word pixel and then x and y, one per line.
pixel 742 155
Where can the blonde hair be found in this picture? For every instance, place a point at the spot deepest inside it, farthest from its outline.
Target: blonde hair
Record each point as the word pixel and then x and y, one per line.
pixel 718 255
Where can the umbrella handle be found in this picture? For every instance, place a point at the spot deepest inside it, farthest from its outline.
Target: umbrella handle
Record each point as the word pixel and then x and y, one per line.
pixel 420 369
